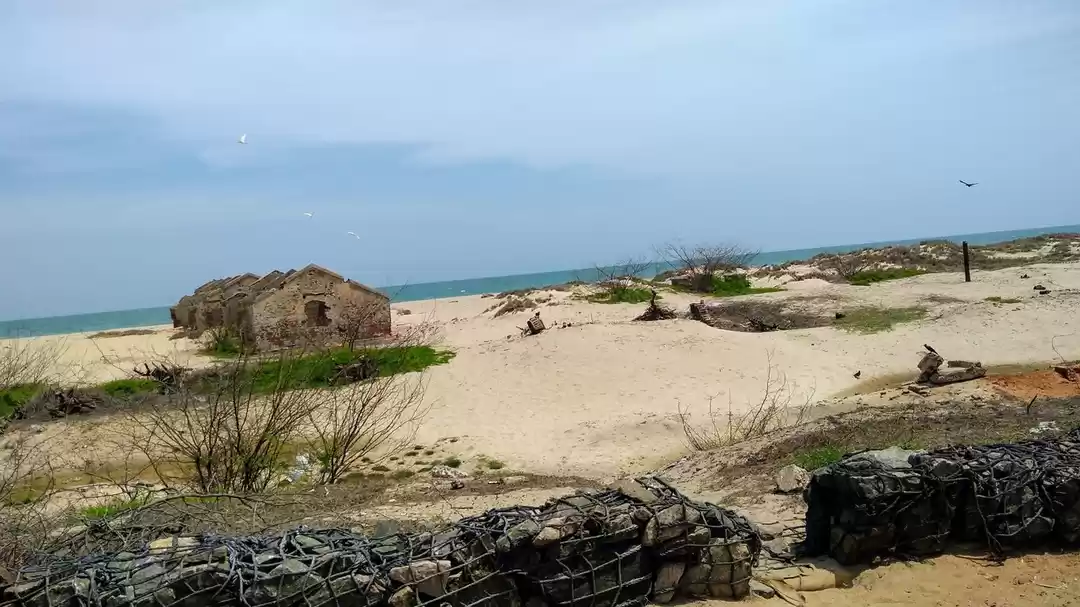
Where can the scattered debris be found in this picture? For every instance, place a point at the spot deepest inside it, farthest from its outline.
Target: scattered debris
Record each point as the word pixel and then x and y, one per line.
pixel 443 471
pixel 362 369
pixel 166 374
pixel 1069 372
pixel 1043 427
pixel 1024 276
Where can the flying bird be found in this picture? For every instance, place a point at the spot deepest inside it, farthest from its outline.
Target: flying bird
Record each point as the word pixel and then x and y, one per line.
pixel 309 214
pixel 243 138
pixel 353 234
pixel 857 374
pixel 968 184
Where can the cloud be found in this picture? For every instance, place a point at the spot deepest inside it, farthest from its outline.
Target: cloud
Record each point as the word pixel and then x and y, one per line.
pixel 627 86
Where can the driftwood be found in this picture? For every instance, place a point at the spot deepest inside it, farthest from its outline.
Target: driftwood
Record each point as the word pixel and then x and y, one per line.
pixel 655 311
pixel 361 370
pixel 167 375
pixel 930 370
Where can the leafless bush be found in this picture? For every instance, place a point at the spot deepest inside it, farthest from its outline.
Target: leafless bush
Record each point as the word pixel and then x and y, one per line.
pixel 773 412
pixel 360 321
pixel 701 264
pixel 26 481
pixel 513 304
pixel 29 362
pixel 847 265
pixel 226 432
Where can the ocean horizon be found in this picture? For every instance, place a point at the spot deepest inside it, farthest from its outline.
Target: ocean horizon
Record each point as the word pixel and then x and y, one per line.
pixel 144 317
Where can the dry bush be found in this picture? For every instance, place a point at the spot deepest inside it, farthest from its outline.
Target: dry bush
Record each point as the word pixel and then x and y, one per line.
pixel 773 412
pixel 703 263
pixel 362 321
pixel 26 481
pixel 847 265
pixel 378 415
pixel 29 362
pixel 513 304
pixel 224 432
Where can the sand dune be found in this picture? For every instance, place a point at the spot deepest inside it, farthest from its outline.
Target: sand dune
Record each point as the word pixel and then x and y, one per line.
pixel 602 397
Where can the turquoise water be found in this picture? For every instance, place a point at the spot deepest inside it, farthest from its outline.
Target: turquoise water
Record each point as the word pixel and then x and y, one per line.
pixel 124 319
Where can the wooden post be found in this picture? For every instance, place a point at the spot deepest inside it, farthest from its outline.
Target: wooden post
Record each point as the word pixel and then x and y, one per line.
pixel 967 263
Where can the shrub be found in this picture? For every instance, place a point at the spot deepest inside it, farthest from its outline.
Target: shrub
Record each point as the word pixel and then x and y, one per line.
pixel 126 388
pixel 817 457
pixel 868 277
pixel 453 462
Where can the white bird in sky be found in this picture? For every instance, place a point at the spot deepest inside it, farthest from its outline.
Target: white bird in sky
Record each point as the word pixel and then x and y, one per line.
pixel 353 234
pixel 243 138
pixel 309 214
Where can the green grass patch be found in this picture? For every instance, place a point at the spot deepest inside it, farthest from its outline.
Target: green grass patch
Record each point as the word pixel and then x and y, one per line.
pixel 1004 300
pixel 319 370
pixel 737 284
pixel 628 295
pixel 875 320
pixel 103 511
pixel 867 278
pixel 224 344
pixel 817 457
pixel 126 388
pixel 14 397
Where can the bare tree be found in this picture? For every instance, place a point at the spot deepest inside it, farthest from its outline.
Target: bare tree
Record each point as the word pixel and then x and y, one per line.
pixel 774 411
pixel 701 264
pixel 620 283
pixel 26 482
pixel 29 362
pixel 847 265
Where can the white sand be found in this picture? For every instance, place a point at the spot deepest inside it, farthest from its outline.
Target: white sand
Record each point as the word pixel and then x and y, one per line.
pixel 602 397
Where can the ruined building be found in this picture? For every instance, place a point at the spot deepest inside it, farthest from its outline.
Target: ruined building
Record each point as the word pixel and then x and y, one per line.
pixel 284 308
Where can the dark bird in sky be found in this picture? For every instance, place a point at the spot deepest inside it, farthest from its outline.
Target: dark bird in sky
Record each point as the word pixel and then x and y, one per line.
pixel 968 184
pixel 927 346
pixel 857 374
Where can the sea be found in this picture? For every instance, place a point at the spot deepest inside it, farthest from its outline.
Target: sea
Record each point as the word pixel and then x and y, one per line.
pixel 143 317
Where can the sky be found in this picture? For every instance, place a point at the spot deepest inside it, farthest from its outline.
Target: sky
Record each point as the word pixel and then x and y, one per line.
pixel 482 137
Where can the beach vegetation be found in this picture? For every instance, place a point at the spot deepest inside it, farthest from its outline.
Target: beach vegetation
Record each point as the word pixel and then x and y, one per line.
pixel 1004 300
pixel 453 462
pixel 874 319
pixel 700 265
pixel 126 388
pixel 13 398
pixel 868 277
pixel 776 409
pixel 818 457
pixel 223 342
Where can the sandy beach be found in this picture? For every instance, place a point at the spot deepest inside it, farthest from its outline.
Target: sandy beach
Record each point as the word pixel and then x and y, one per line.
pixel 599 395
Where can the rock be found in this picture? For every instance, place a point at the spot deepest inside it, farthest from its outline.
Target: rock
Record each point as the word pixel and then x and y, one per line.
pixel 667 580
pixel 36 428
pixel 792 478
pixel 442 471
pixel 547 535
pixel 517 535
pixel 1067 371
pixel 1038 287
pixel 405 597
pixel 636 490
pixel 428 577
pixel 893 457
pixel 1044 291
pixel 168 544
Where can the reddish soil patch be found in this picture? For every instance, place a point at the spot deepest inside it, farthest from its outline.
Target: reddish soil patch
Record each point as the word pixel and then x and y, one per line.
pixel 1026 386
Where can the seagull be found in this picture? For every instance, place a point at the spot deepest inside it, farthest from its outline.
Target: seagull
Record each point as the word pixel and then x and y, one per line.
pixel 353 234
pixel 968 184
pixel 857 374
pixel 309 214
pixel 243 138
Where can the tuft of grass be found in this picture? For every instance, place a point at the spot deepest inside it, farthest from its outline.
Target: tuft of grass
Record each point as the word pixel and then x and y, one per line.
pixel 1004 300
pixel 14 397
pixel 737 284
pixel 319 370
pixel 223 343
pixel 380 468
pixel 403 474
pixel 126 388
pixel 628 295
pixel 495 464
pixel 868 277
pixel 875 319
pixel 816 457
pixel 429 452
pixel 411 454
pixel 103 511
pixel 453 462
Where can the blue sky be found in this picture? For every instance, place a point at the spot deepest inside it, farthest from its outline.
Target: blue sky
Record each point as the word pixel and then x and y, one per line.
pixel 483 137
